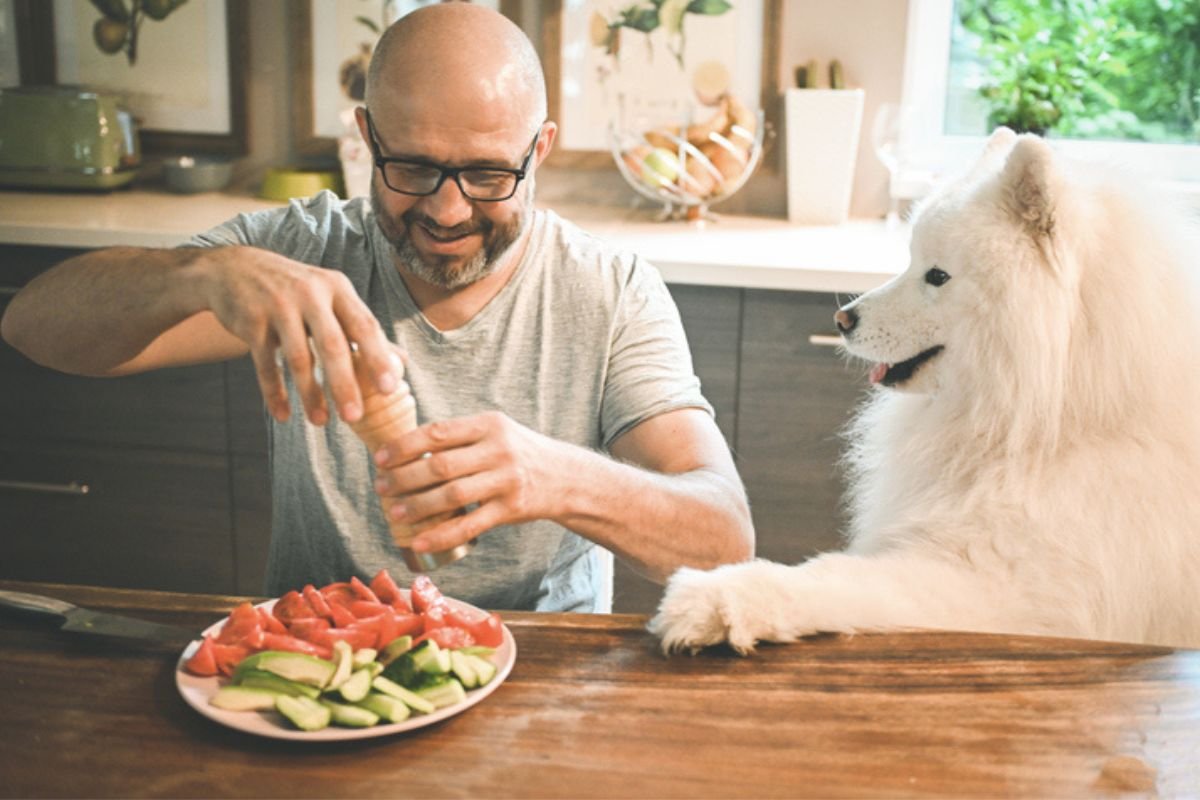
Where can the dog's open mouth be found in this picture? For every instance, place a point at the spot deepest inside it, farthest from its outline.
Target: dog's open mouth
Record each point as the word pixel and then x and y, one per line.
pixel 894 374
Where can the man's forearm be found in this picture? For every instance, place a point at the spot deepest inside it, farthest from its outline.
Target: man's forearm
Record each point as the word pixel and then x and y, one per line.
pixel 658 522
pixel 95 312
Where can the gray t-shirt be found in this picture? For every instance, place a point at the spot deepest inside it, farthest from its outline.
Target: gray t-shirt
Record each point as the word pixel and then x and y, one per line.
pixel 582 344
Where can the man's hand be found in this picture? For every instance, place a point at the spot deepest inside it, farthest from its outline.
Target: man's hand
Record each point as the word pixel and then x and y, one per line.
pixel 276 305
pixel 514 474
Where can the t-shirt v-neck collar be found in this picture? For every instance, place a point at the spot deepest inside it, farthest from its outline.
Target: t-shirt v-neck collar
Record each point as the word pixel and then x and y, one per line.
pixel 382 256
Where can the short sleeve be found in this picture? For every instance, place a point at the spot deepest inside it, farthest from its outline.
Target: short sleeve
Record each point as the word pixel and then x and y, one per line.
pixel 650 367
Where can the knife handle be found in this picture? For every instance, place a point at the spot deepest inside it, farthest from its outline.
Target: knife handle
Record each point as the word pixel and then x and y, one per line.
pixel 35 602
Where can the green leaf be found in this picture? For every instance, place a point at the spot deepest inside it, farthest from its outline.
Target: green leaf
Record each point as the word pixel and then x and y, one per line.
pixel 368 22
pixel 710 8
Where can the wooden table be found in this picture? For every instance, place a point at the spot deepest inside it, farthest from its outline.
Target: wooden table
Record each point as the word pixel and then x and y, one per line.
pixel 593 709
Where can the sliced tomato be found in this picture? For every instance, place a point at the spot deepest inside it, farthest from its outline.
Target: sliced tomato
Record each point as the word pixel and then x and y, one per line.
pixel 310 629
pixel 228 656
pixel 342 615
pixel 339 592
pixel 447 638
pixel 317 600
pixel 425 594
pixel 203 662
pixel 357 638
pixel 291 606
pixel 277 641
pixel 388 592
pixel 435 617
pixel 486 629
pixel 270 623
pixel 397 624
pixel 242 627
pixel 364 609
pixel 361 590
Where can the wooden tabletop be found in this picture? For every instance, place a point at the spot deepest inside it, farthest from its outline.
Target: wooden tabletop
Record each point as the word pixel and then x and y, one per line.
pixel 593 709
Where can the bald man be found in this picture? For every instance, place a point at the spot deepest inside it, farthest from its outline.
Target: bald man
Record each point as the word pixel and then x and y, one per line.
pixel 551 373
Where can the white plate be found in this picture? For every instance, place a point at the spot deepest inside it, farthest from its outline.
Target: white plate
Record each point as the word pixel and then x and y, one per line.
pixel 197 691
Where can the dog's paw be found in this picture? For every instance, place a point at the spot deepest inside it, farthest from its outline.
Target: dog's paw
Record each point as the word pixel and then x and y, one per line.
pixel 701 608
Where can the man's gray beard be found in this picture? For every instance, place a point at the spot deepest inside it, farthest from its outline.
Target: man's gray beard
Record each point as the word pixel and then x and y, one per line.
pixel 498 242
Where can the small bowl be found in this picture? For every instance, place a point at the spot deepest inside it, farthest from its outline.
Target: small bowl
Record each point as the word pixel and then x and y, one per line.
pixel 284 183
pixel 193 174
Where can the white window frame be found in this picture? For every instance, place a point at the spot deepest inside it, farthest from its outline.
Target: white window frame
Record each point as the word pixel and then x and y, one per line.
pixel 932 153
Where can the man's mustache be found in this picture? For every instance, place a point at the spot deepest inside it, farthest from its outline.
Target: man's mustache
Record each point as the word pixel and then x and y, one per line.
pixel 463 229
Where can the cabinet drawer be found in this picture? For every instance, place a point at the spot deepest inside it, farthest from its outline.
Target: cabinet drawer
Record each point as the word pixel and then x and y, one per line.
pixel 794 398
pixel 148 519
pixel 173 408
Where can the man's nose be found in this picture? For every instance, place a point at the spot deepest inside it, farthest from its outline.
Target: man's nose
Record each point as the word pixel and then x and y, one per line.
pixel 448 206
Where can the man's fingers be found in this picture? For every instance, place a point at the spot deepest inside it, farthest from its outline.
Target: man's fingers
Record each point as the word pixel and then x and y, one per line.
pixel 270 381
pixel 433 438
pixel 458 530
pixel 376 354
pixel 334 352
pixel 299 359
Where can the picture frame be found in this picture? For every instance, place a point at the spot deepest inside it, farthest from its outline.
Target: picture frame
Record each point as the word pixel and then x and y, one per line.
pixel 564 38
pixel 191 95
pixel 317 98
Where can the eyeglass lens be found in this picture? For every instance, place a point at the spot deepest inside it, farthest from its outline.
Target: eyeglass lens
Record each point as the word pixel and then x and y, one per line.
pixel 477 184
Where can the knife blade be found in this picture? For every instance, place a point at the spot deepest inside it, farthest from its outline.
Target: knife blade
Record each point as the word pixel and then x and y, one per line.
pixel 100 623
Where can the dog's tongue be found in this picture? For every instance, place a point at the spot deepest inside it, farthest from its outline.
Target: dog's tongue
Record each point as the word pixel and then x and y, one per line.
pixel 877 373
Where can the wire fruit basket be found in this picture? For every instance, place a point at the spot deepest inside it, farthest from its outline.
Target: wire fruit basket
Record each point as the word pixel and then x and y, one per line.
pixel 691 165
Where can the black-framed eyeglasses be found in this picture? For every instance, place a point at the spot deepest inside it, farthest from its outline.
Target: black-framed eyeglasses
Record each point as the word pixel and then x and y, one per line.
pixel 423 178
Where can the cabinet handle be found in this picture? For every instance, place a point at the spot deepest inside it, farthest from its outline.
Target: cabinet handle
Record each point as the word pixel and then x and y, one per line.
pixel 74 487
pixel 824 339
pixel 9 291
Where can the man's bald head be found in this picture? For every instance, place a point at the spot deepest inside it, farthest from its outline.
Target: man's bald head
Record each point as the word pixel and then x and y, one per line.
pixel 458 57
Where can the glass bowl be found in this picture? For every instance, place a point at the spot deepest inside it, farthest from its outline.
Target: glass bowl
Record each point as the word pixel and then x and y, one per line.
pixel 690 165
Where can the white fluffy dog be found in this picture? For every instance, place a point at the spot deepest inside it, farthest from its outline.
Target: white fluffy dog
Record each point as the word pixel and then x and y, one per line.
pixel 1032 462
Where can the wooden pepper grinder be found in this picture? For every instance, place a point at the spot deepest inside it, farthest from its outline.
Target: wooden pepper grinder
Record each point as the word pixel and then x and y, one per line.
pixel 385 418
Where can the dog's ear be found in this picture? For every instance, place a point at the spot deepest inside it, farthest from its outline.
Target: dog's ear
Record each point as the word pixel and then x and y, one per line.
pixel 1029 182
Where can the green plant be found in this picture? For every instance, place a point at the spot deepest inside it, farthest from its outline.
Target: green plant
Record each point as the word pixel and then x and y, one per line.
pixel 647 16
pixel 1125 69
pixel 121 21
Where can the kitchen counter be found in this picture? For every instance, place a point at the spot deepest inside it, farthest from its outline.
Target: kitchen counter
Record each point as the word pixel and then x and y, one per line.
pixel 593 709
pixel 747 252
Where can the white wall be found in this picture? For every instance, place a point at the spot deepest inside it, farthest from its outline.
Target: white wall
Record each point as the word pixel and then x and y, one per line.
pixel 866 35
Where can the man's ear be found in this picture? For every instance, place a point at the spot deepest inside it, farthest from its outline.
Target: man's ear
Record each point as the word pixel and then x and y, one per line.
pixel 360 117
pixel 1030 185
pixel 546 143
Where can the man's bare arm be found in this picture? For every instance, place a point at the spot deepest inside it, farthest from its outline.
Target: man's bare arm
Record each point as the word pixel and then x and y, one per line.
pixel 124 310
pixel 671 497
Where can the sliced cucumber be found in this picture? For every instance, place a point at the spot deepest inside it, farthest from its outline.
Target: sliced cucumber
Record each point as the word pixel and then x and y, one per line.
pixel 389 708
pixel 297 667
pixel 349 716
pixel 412 700
pixel 243 698
pixel 364 656
pixel 303 712
pixel 356 688
pixel 343 656
pixel 396 648
pixel 484 669
pixel 261 679
pixel 446 692
pixel 464 670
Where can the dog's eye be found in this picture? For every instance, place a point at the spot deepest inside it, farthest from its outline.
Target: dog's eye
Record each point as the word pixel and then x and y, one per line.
pixel 936 277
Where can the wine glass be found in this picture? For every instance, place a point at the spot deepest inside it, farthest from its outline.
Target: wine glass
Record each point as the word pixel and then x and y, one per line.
pixel 889 132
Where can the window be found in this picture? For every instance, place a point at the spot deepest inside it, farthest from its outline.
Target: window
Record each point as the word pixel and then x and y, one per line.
pixel 1112 79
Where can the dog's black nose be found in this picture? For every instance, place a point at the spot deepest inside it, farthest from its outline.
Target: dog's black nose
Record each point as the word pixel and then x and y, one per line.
pixel 845 319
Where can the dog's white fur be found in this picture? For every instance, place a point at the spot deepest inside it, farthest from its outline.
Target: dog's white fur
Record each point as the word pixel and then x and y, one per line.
pixel 1041 474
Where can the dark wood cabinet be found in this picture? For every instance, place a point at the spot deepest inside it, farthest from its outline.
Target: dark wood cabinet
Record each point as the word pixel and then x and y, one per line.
pixel 176 461
pixel 781 395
